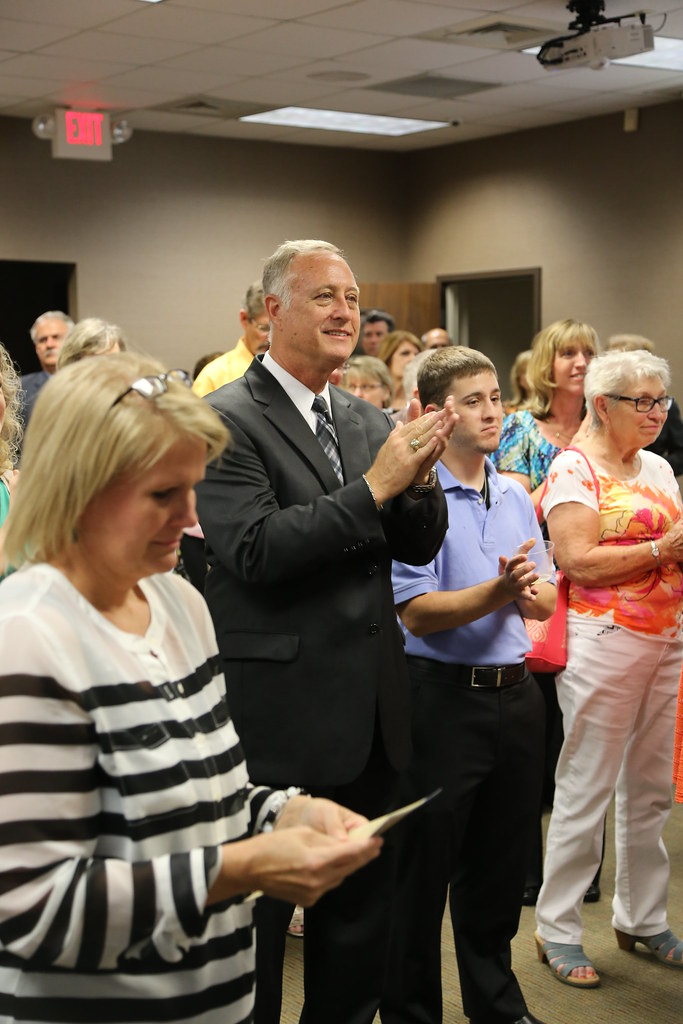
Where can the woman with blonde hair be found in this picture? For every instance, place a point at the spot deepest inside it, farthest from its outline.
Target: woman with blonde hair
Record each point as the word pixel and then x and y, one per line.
pixel 530 440
pixel 134 836
pixel 553 413
pixel 90 337
pixel 396 350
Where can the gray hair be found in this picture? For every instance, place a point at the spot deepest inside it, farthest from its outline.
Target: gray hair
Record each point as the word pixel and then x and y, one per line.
pixel 52 314
pixel 90 337
pixel 277 279
pixel 629 343
pixel 253 300
pixel 614 373
pixel 411 371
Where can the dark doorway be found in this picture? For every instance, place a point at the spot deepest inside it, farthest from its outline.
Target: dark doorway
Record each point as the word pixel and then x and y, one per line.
pixel 497 313
pixel 28 289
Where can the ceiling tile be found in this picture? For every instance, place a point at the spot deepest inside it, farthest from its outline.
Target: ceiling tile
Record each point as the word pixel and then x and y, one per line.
pixel 27 35
pixel 13 85
pixel 75 13
pixel 167 22
pixel 305 40
pixel 31 65
pixel 388 17
pixel 233 59
pixel 110 46
pixel 265 8
pixel 173 83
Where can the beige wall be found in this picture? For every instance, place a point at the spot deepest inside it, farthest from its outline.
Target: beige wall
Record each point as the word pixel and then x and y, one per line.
pixel 168 235
pixel 599 210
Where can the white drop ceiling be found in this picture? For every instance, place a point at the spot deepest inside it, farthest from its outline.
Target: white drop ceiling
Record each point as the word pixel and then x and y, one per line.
pixel 195 66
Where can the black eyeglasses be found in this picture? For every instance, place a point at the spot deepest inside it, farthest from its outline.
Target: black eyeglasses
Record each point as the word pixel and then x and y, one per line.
pixel 646 404
pixel 155 385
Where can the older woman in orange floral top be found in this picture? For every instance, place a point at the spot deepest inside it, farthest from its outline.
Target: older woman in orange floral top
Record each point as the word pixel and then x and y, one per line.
pixel 622 550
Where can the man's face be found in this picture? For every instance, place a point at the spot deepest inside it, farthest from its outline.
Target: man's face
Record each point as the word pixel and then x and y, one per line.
pixel 318 331
pixel 372 336
pixel 256 331
pixel 436 338
pixel 50 333
pixel 478 405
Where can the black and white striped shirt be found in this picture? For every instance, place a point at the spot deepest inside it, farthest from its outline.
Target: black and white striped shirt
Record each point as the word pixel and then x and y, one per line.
pixel 121 776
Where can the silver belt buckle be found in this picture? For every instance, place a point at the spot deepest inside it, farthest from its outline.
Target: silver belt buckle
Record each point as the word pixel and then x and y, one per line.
pixel 489 668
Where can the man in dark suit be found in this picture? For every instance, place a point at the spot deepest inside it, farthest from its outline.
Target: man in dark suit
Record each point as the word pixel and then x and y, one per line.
pixel 47 334
pixel 300 591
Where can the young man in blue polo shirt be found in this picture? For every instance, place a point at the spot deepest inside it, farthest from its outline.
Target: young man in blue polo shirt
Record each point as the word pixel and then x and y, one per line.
pixel 478 717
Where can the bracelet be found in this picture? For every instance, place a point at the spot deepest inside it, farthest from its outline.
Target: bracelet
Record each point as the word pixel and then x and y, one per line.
pixel 378 504
pixel 277 805
pixel 425 488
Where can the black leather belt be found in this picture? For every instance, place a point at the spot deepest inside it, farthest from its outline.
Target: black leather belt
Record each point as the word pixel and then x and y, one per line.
pixel 475 677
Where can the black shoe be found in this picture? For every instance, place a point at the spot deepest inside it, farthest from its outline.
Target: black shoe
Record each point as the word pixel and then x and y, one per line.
pixel 592 893
pixel 530 895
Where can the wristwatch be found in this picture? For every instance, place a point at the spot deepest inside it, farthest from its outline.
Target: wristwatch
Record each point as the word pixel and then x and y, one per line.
pixel 655 551
pixel 425 488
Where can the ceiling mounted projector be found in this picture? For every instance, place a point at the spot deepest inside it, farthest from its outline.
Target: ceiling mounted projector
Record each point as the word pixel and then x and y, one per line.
pixel 598 40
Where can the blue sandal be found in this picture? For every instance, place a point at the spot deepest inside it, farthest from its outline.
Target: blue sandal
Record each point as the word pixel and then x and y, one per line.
pixel 562 959
pixel 660 945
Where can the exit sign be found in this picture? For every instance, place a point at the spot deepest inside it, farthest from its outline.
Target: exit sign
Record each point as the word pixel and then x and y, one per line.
pixel 81 135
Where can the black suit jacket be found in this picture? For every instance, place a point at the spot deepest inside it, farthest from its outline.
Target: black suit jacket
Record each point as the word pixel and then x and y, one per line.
pixel 300 585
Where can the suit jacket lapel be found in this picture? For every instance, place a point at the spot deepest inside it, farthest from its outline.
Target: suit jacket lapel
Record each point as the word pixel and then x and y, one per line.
pixel 279 410
pixel 353 442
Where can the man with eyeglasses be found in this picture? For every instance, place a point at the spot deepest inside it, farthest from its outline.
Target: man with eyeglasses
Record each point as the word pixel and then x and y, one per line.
pixel 47 334
pixel 233 364
pixel 301 519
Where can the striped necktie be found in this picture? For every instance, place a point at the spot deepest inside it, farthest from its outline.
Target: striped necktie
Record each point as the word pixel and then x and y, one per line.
pixel 327 435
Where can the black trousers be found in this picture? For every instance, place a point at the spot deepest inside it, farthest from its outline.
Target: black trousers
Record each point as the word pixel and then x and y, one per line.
pixel 485 748
pixel 347 932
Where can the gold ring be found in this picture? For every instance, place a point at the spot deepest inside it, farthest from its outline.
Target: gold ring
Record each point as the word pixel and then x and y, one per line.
pixel 415 444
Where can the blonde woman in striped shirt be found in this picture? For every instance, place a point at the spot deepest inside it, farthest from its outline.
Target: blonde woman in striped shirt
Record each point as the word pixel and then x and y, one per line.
pixel 130 835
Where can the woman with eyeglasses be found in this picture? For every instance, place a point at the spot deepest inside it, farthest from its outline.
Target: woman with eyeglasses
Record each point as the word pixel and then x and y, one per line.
pixel 132 837
pixel 369 378
pixel 621 545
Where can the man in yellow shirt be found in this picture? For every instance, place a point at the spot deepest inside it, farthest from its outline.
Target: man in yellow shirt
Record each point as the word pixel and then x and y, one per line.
pixel 255 340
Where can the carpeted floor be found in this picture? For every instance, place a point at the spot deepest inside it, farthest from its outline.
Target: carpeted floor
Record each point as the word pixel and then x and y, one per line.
pixel 635 988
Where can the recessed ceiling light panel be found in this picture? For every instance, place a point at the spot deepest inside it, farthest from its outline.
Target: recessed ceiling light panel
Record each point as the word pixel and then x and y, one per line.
pixel 343 121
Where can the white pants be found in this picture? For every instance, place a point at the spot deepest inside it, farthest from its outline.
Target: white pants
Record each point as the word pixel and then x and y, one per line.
pixel 618 701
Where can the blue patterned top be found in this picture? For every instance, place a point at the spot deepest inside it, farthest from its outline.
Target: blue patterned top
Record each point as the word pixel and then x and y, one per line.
pixel 523 449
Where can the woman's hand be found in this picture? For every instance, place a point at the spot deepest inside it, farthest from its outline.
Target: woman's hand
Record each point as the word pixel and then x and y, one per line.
pixel 319 814
pixel 670 544
pixel 307 853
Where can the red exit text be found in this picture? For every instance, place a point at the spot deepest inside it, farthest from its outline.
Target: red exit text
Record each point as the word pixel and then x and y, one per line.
pixel 83 128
